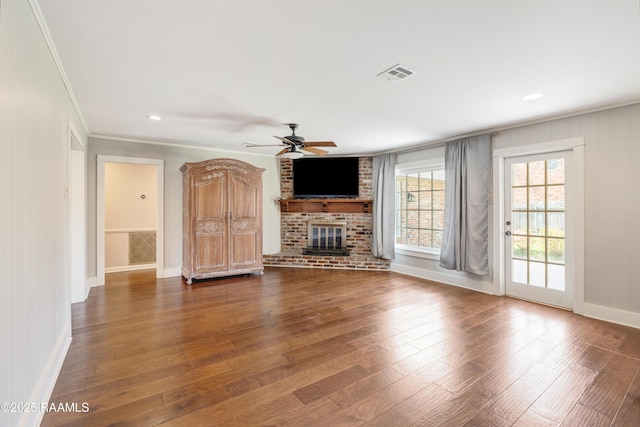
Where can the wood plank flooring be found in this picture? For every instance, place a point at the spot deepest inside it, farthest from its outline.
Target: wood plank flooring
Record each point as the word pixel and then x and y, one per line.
pixel 304 347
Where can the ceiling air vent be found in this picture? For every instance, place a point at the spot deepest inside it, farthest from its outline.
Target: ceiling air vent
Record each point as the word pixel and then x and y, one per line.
pixel 396 73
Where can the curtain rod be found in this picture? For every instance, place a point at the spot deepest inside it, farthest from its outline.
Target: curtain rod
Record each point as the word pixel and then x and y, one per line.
pixel 436 144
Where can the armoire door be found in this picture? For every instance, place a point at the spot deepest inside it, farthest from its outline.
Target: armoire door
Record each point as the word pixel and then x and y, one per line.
pixel 245 230
pixel 211 233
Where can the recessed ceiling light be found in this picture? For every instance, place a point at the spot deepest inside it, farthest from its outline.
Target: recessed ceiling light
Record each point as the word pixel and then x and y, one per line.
pixel 154 117
pixel 532 96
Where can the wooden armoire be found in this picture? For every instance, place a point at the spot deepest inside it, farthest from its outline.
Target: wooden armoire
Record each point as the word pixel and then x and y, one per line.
pixel 221 219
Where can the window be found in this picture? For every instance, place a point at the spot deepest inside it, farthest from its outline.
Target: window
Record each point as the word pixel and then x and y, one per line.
pixel 420 208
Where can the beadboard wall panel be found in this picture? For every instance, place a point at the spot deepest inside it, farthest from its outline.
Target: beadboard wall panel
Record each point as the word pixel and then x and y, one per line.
pixel 35 115
pixel 634 209
pixel 612 233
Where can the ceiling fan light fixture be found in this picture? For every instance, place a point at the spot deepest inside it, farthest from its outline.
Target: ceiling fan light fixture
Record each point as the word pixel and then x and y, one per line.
pixel 292 155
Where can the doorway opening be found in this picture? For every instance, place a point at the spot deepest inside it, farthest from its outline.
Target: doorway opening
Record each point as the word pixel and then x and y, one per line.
pixel 538 222
pixel 130 219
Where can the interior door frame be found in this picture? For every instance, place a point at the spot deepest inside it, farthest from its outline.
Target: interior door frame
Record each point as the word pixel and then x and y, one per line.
pixel 544 295
pixel 576 146
pixel 100 212
pixel 77 215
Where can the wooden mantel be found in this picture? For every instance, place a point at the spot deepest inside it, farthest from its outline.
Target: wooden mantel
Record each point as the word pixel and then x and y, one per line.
pixel 327 205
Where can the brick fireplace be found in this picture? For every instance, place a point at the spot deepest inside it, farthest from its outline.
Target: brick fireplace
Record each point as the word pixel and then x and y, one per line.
pixel 355 239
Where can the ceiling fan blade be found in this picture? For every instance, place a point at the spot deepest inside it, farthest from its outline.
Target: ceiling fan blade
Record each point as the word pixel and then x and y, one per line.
pixel 233 122
pixel 313 150
pixel 280 153
pixel 250 144
pixel 320 144
pixel 285 140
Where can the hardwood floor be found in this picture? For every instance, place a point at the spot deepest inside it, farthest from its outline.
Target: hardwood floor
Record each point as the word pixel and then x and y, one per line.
pixel 301 347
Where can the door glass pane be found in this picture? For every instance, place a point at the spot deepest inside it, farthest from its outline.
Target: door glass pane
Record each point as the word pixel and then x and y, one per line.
pixel 537 248
pixel 536 198
pixel 555 224
pixel 537 173
pixel 537 275
pixel 519 273
pixel 537 223
pixel 519 225
pixel 520 247
pixel 556 251
pixel 555 277
pixel 519 198
pixel 555 198
pixel 555 171
pixel 519 174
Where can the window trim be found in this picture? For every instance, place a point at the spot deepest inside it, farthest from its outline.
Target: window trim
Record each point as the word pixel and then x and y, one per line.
pixel 412 167
pixel 421 165
pixel 417 251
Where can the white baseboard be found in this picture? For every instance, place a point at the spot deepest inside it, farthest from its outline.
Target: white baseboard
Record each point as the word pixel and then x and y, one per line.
pixel 448 279
pixel 92 282
pixel 167 272
pixel 622 317
pixel 172 272
pixel 87 288
pixel 129 268
pixel 46 383
pixel 595 311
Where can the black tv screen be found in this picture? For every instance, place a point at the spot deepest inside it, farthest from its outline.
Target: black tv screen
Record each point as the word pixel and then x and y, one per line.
pixel 325 177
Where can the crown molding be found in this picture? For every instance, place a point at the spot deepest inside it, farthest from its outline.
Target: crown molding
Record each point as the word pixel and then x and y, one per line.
pixel 173 144
pixel 37 13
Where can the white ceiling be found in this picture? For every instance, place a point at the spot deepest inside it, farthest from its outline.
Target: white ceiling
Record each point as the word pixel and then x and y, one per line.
pixel 222 72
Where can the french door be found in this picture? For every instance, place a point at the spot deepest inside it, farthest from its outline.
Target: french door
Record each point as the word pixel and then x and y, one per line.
pixel 538 228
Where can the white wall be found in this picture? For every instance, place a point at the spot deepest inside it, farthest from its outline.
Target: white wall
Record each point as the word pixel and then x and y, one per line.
pixel 174 157
pixel 78 223
pixel 611 214
pixel 125 183
pixel 35 308
pixel 125 208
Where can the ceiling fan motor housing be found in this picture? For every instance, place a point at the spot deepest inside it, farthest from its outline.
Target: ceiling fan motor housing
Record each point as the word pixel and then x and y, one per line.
pixel 294 143
pixel 296 139
pixel 293 137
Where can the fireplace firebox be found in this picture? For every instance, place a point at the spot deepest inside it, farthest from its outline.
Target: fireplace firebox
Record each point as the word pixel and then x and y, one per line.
pixel 326 238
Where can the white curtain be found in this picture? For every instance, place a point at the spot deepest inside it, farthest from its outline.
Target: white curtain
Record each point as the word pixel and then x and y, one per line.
pixel 466 213
pixel 384 205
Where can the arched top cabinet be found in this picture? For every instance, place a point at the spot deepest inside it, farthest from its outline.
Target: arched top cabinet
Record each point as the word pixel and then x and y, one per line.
pixel 222 219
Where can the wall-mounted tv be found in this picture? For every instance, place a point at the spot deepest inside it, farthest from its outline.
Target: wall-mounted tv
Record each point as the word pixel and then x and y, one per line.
pixel 325 177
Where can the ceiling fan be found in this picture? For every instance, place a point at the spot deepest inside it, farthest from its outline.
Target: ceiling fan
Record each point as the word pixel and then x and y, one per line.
pixel 295 145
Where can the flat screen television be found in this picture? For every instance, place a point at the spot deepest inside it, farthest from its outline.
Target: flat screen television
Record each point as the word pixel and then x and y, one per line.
pixel 325 177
